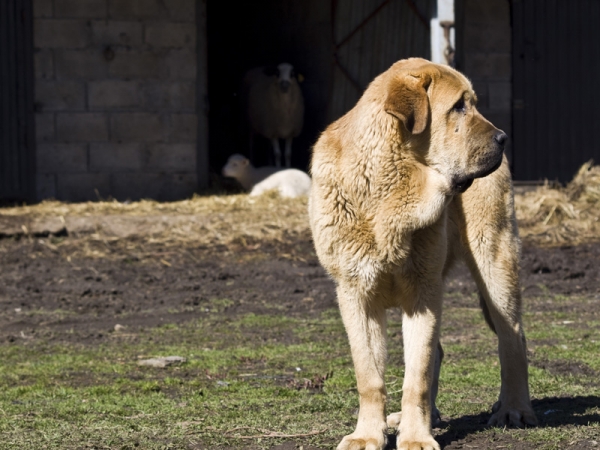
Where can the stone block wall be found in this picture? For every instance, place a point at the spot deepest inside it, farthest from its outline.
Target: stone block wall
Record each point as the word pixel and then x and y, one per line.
pixel 486 58
pixel 115 93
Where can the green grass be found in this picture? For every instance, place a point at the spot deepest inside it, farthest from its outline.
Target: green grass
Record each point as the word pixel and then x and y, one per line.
pixel 255 375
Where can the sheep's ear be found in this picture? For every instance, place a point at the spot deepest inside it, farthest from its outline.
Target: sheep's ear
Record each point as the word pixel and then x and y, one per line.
pixel 271 71
pixel 407 101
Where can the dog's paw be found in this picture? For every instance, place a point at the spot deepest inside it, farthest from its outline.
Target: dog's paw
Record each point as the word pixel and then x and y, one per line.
pixel 355 442
pixel 420 444
pixel 512 417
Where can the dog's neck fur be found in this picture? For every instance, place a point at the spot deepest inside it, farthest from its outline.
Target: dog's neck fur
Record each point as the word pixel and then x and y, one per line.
pixel 395 193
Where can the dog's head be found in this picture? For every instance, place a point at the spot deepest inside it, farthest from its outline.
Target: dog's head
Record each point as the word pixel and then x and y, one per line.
pixel 437 108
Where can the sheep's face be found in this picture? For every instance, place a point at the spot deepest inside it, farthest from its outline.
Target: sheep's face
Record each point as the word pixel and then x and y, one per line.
pixel 236 166
pixel 285 76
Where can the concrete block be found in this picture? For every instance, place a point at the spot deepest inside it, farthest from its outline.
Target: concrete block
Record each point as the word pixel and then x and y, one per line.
pixel 64 33
pixel 184 128
pixel 45 186
pixel 82 127
pixel 182 10
pixel 44 127
pixel 171 158
pixel 80 64
pixel 491 66
pixel 500 95
pixel 43 8
pixel 116 33
pixel 170 34
pixel 137 64
pixel 163 187
pixel 492 38
pixel 138 127
pixel 43 64
pixel 179 96
pixel 89 9
pixel 111 157
pixel 487 12
pixel 82 187
pixel 137 9
pixel 182 64
pixel 60 95
pixel 114 94
pixel 62 158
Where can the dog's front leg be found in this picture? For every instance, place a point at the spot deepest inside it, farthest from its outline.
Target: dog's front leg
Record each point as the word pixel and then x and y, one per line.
pixel 420 329
pixel 364 319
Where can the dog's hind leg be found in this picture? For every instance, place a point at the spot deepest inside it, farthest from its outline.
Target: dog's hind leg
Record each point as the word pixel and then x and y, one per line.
pixel 365 323
pixel 491 249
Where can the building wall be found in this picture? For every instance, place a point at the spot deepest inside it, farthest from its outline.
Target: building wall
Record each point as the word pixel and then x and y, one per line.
pixel 484 55
pixel 115 93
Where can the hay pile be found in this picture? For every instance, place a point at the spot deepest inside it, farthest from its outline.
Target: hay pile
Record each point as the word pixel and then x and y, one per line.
pixel 550 215
pixel 553 215
pixel 209 220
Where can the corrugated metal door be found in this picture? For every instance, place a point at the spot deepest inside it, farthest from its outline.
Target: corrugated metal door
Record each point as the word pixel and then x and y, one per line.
pixel 556 87
pixel 369 36
pixel 17 150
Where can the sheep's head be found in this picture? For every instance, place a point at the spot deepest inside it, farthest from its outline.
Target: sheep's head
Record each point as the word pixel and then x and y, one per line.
pixel 236 165
pixel 285 75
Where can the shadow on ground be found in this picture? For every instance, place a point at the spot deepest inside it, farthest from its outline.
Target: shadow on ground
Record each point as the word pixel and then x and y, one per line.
pixel 551 412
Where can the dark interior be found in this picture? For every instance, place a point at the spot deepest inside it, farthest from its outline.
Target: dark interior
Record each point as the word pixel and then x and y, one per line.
pixel 265 32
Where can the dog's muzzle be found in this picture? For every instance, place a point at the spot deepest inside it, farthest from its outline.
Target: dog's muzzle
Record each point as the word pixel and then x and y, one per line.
pixel 460 183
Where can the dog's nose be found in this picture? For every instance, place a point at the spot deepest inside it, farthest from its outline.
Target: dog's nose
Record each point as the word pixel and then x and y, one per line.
pixel 500 138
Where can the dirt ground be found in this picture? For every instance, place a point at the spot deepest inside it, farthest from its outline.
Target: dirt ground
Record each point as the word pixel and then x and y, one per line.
pixel 84 297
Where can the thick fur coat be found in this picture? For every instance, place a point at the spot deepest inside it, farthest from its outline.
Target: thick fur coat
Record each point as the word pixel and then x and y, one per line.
pixel 410 180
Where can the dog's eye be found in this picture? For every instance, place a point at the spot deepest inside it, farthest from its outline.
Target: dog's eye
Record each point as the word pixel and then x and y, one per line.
pixel 459 106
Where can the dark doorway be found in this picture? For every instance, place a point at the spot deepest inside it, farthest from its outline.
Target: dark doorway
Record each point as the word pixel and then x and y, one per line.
pixel 556 65
pixel 17 148
pixel 338 46
pixel 265 32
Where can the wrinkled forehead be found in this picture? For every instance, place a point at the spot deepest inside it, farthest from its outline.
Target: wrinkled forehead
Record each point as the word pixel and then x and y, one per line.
pixel 285 71
pixel 452 85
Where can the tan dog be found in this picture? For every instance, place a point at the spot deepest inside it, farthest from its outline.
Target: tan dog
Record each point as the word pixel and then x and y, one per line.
pixel 390 212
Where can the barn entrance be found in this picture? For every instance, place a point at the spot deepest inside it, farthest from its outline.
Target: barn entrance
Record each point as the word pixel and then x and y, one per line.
pixel 338 47
pixel 556 62
pixel 17 148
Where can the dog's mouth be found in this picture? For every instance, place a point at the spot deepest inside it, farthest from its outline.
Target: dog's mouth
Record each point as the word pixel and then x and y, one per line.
pixel 461 183
pixel 490 169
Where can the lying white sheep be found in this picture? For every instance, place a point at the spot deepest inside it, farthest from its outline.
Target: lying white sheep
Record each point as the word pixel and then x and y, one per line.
pixel 240 168
pixel 288 182
pixel 258 180
pixel 275 106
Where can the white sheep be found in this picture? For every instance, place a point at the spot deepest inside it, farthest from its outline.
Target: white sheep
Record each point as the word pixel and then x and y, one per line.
pixel 258 180
pixel 240 168
pixel 275 106
pixel 290 183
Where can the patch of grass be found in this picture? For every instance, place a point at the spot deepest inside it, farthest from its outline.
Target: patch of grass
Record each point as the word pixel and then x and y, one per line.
pixel 247 378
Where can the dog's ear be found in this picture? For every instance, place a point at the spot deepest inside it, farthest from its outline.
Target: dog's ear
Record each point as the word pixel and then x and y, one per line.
pixel 407 100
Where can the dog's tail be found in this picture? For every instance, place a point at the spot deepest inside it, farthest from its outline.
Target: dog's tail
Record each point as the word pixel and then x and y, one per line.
pixel 486 313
